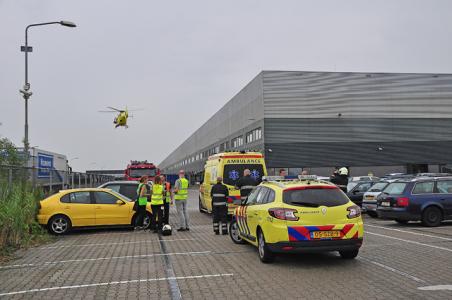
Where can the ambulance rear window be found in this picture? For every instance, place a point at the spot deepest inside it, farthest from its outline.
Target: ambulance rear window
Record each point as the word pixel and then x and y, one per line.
pixel 233 172
pixel 315 197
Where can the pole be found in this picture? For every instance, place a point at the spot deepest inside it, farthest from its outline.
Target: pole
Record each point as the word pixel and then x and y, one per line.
pixel 26 89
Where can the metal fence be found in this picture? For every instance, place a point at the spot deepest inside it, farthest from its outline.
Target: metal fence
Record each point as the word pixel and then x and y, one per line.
pixel 49 179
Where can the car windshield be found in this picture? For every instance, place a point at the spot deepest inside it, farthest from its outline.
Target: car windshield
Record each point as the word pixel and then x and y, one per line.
pixel 378 187
pixel 136 173
pixel 121 196
pixel 313 197
pixel 395 188
pixel 233 172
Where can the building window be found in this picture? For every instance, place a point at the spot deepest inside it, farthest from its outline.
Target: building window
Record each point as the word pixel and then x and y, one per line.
pixel 249 137
pixel 254 135
pixel 237 142
pixel 258 133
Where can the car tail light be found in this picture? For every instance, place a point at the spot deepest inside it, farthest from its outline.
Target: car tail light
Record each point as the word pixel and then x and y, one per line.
pixel 403 202
pixel 353 212
pixel 283 214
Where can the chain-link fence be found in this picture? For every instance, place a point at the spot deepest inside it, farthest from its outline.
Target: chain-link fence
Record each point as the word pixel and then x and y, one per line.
pixel 49 179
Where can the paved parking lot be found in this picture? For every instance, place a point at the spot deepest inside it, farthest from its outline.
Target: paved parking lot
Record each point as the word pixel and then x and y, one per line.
pixel 395 262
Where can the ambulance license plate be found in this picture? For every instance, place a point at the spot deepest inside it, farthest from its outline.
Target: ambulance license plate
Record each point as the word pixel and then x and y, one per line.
pixel 325 234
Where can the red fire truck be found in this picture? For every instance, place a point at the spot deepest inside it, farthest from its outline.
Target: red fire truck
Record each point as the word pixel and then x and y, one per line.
pixel 136 169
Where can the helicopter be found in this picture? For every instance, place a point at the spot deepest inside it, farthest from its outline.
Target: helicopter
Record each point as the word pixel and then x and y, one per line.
pixel 121 118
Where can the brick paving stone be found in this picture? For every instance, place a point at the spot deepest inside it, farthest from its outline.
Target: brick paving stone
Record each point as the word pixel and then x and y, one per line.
pixel 101 258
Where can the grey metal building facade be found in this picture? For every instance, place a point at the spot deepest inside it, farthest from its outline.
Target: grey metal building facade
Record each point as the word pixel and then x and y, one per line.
pixel 379 122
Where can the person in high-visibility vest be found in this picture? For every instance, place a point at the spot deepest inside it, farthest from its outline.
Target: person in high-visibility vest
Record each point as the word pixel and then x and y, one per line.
pixel 168 195
pixel 180 198
pixel 142 198
pixel 157 204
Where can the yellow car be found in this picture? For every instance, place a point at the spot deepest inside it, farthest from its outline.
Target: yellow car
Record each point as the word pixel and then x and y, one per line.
pixel 295 216
pixel 86 207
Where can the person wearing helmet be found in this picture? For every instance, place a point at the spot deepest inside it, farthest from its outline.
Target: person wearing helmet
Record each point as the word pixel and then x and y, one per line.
pixel 341 179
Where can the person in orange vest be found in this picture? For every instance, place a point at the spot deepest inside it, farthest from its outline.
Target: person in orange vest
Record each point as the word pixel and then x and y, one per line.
pixel 169 198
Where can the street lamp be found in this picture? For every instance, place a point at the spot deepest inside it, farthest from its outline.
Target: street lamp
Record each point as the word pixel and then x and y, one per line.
pixel 26 93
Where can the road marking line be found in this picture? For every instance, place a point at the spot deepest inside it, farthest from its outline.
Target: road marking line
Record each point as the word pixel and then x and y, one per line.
pixel 408 241
pixel 169 271
pixel 107 244
pixel 415 233
pixel 102 258
pixel 393 270
pixel 114 283
pixel 445 287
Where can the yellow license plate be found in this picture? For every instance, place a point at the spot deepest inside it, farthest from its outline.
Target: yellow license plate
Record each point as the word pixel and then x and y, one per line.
pixel 326 234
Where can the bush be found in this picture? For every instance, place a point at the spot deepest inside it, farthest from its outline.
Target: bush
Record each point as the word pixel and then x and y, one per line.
pixel 18 210
pixel 18 203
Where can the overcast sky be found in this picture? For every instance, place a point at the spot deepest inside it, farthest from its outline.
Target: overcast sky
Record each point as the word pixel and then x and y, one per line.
pixel 183 60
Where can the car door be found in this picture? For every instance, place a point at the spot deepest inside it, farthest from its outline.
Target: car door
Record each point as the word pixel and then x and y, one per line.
pixel 357 193
pixel 242 213
pixel 254 212
pixel 444 189
pixel 110 209
pixel 79 208
pixel 421 195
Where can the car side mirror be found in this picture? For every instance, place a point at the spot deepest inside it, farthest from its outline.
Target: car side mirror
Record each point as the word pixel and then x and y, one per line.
pixel 120 202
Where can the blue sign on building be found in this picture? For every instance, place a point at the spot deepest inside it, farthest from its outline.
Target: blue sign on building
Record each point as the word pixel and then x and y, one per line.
pixel 45 164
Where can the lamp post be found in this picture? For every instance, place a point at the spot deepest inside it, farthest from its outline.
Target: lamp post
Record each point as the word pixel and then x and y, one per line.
pixel 26 93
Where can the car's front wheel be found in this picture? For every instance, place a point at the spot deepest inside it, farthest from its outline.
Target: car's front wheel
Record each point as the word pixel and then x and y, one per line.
pixel 349 254
pixel 147 220
pixel 265 255
pixel 234 232
pixel 432 216
pixel 59 225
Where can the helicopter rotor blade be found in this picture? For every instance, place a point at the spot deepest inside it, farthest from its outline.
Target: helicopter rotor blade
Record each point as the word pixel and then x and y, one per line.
pixel 118 110
pixel 139 109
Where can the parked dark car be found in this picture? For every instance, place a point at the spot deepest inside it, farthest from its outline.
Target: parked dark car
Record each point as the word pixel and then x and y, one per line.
pixel 433 175
pixel 357 192
pixel 126 188
pixel 424 199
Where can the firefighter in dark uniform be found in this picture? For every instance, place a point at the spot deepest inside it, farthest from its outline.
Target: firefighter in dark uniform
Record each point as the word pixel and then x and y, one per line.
pixel 219 194
pixel 246 184
pixel 341 179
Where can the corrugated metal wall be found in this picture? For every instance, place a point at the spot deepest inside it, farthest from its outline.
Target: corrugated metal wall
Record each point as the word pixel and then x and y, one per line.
pixel 329 119
pixel 356 95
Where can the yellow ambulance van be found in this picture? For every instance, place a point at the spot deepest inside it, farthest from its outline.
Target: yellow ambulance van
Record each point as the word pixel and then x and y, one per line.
pixel 230 166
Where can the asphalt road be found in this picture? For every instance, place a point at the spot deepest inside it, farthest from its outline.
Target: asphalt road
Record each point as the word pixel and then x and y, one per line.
pixel 395 262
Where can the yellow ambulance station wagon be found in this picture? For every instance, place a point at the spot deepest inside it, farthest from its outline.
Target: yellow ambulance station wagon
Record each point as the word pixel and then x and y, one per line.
pixel 230 166
pixel 296 216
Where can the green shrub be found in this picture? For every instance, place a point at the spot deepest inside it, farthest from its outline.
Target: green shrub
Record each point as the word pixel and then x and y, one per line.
pixel 18 202
pixel 18 210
